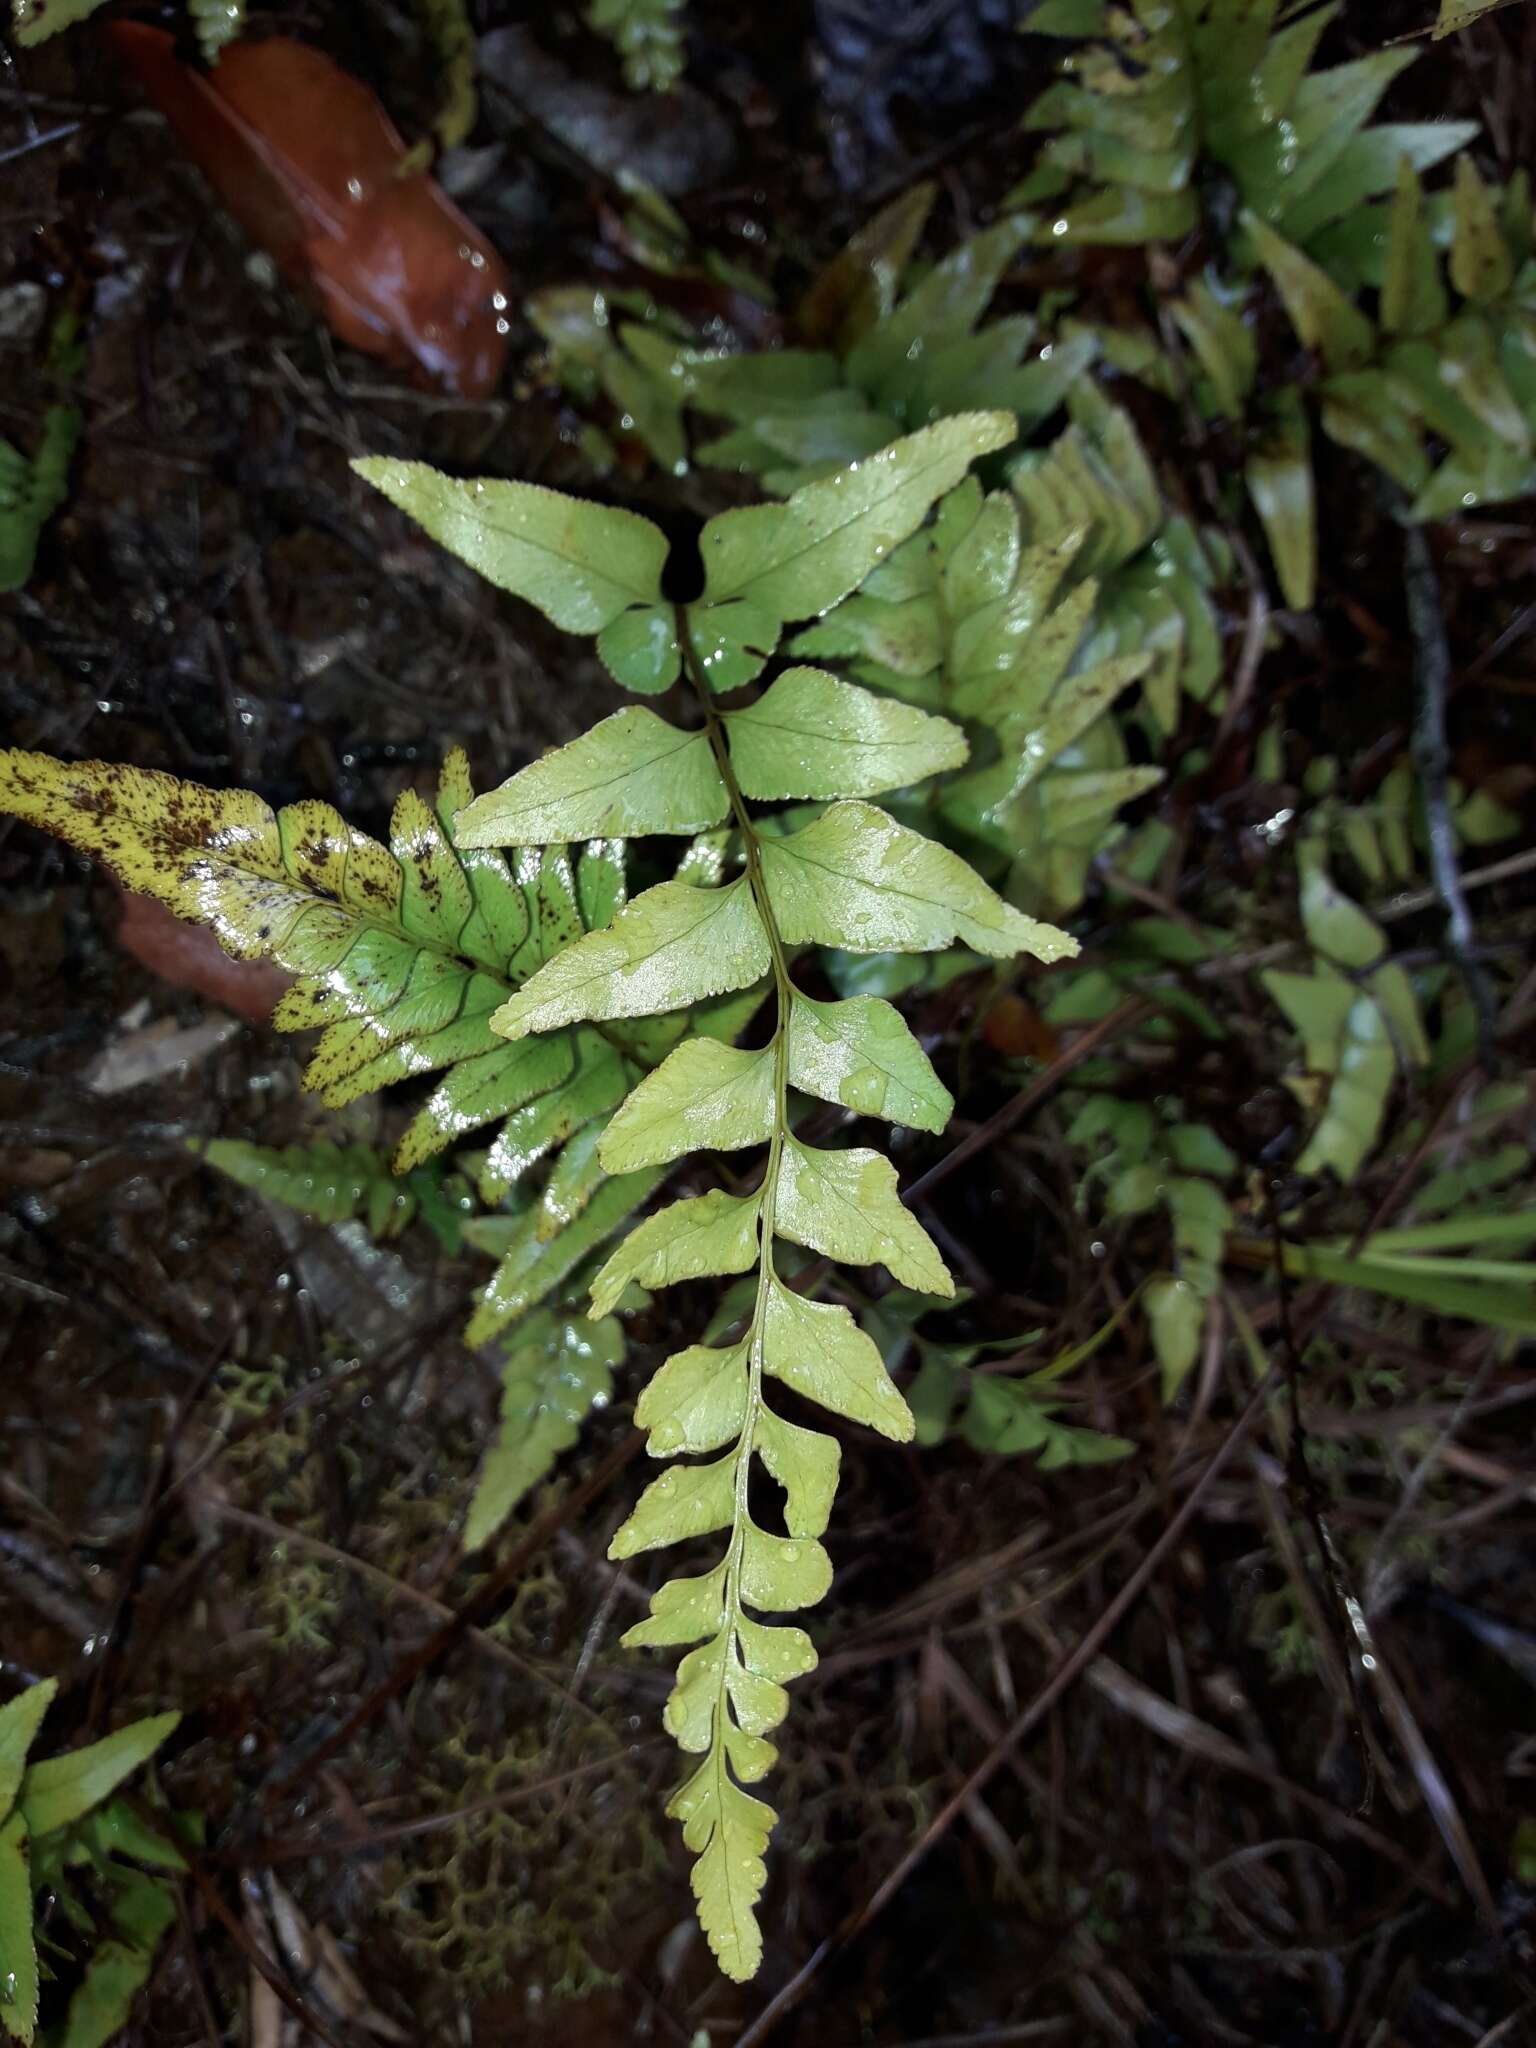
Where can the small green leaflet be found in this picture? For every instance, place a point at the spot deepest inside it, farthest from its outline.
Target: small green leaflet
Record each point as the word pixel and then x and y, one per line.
pixel 728 1830
pixel 1482 268
pixel 632 773
pixel 1337 927
pixel 811 735
pixel 860 1053
pixel 1322 315
pixel 819 1350
pixel 845 1206
pixel 1280 482
pixel 687 1500
pixel 674 944
pixel 858 879
pixel 703 1094
pixel 62 1788
pixel 697 1402
pixel 588 568
pixel 791 561
pixel 702 1235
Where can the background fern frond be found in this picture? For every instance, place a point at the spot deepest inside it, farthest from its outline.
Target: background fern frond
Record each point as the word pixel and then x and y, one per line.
pixel 401 956
pixel 648 35
pixel 31 490
pixel 1150 91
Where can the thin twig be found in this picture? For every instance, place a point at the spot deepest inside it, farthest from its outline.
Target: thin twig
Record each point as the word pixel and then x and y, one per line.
pixel 1035 1091
pixel 304 2014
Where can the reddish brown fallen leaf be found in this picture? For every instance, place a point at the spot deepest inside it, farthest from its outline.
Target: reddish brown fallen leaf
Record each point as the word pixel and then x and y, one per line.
pixel 1016 1029
pixel 189 956
pixel 309 163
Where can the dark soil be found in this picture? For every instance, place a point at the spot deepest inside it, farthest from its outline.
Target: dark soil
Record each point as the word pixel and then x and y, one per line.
pixel 234 1445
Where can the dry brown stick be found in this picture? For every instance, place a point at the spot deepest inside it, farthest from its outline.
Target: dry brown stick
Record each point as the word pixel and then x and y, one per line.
pixel 1066 1674
pixel 214 1900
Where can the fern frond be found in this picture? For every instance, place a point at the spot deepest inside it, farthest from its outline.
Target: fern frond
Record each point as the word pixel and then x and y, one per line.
pixel 979 617
pixel 1150 1157
pixel 852 876
pixel 58 1820
pixel 33 21
pixel 1356 1014
pixel 558 1368
pixel 994 1413
pixel 216 23
pixel 334 1183
pixel 1151 89
pixel 1447 359
pixel 32 490
pixel 402 954
pixel 648 35
pixel 888 360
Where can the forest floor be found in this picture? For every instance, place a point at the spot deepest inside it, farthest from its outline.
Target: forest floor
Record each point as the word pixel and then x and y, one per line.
pixel 235 1445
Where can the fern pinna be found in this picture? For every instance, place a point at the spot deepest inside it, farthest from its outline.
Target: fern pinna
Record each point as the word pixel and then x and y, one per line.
pixel 843 874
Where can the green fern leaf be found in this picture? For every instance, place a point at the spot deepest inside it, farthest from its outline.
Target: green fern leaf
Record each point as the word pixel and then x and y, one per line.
pixel 32 490
pixel 1356 1012
pixel 852 877
pixel 33 21
pixel 402 955
pixel 896 362
pixel 648 35
pixel 538 1251
pixel 62 1789
pixel 20 1720
pixel 333 1183
pixel 558 1369
pixel 1148 91
pixel 975 617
